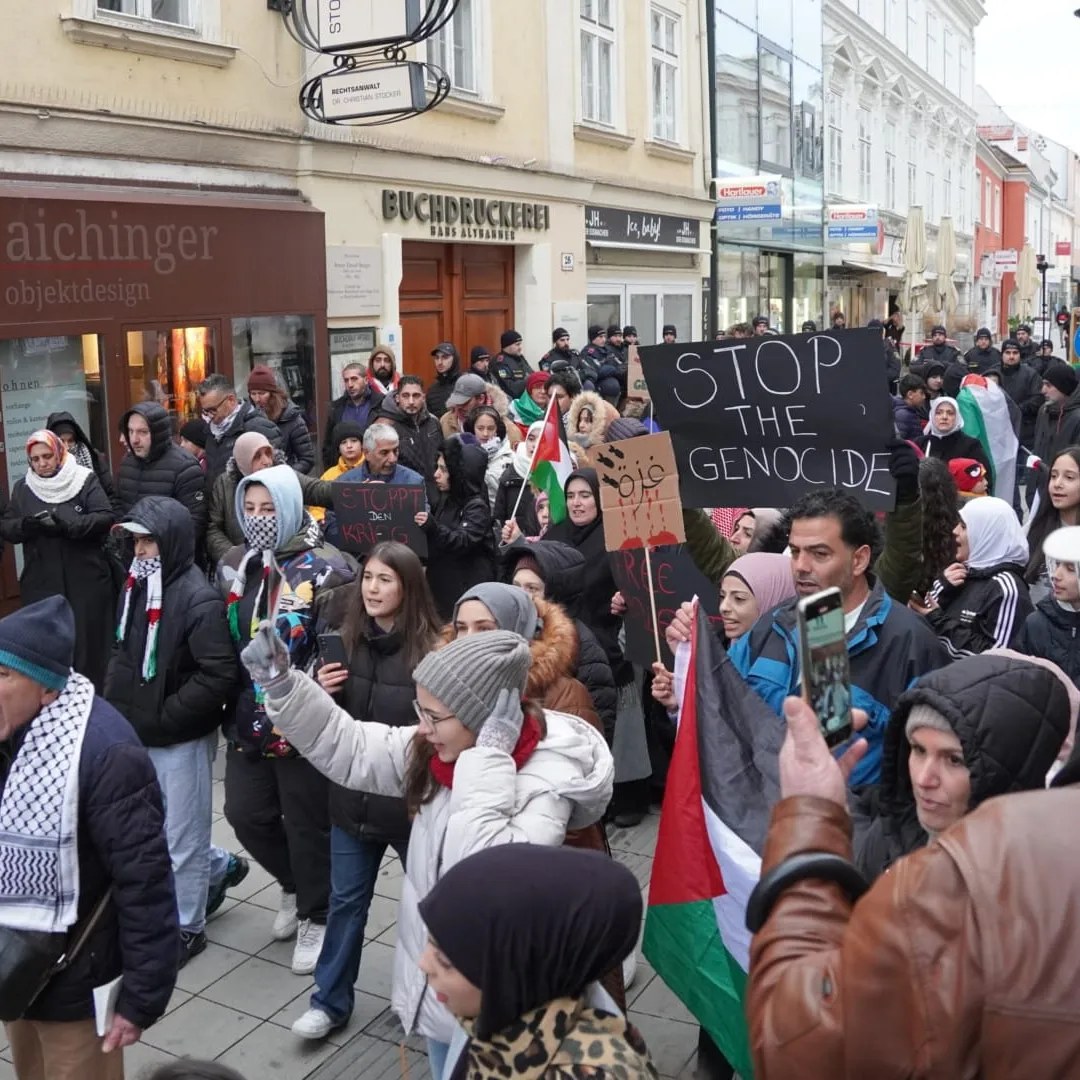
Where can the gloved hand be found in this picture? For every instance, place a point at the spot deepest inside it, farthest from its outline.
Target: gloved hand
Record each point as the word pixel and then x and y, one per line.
pixel 30 526
pixel 904 467
pixel 267 660
pixel 502 729
pixel 48 524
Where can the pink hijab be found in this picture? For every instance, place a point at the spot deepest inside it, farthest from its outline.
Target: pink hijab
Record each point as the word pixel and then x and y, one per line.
pixel 768 576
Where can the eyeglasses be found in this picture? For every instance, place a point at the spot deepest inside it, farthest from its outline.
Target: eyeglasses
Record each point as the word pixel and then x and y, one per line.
pixel 425 716
pixel 209 412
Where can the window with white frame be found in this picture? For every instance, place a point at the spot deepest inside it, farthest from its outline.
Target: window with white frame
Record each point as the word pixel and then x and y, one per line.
pixel 988 204
pixel 952 73
pixel 597 32
pixel 962 214
pixel 174 12
pixel 454 49
pixel 946 189
pixel 931 205
pixel 665 35
pixel 912 172
pixel 964 76
pixel 836 144
pixel 933 55
pixel 997 209
pixel 865 152
pixel 890 166
pixel 914 42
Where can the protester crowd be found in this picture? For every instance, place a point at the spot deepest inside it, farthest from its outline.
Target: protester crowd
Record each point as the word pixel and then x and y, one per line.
pixel 477 711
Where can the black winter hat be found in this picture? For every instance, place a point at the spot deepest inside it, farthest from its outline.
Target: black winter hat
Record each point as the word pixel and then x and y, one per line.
pixel 761 320
pixel 38 641
pixel 627 330
pixel 509 337
pixel 669 328
pixel 558 332
pixel 1046 341
pixel 875 324
pixel 1026 327
pixel 479 352
pixel 595 332
pixel 939 329
pixel 195 431
pixel 1010 343
pixel 614 330
pixel 983 331
pixel 1062 377
pixel 346 429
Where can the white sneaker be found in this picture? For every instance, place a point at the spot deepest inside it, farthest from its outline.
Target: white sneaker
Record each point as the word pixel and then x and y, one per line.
pixel 314 1024
pixel 285 920
pixel 309 940
pixel 629 969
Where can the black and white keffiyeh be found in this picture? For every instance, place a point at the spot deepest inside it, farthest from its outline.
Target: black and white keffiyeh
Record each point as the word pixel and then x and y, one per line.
pixel 39 816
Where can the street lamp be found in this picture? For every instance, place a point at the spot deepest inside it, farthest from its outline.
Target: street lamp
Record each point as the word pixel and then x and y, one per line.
pixel 1042 266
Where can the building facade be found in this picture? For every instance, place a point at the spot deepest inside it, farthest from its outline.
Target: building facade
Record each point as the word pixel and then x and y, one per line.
pixel 990 173
pixel 769 167
pixel 901 132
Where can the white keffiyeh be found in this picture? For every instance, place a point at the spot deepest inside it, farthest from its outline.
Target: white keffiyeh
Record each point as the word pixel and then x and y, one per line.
pixel 39 816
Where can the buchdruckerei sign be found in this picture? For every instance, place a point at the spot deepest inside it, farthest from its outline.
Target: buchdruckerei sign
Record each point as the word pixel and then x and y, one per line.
pixel 638 228
pixel 765 420
pixel 462 217
pixel 372 91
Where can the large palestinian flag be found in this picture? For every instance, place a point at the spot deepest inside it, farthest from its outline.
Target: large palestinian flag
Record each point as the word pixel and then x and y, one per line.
pixel 552 463
pixel 984 407
pixel 721 786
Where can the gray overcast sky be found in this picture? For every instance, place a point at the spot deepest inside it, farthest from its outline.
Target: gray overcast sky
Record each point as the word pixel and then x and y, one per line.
pixel 1026 57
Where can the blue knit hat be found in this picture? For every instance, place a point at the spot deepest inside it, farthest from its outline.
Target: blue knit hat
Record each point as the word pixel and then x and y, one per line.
pixel 38 641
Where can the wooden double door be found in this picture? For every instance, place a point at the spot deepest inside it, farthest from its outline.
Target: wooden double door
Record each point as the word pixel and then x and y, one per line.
pixel 462 293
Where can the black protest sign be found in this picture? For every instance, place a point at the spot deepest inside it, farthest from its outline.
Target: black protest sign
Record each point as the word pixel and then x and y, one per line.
pixel 676 579
pixel 370 513
pixel 761 421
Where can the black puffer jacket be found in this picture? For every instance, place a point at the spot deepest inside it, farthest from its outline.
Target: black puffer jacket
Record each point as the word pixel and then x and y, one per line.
pixel 510 373
pixel 1023 384
pixel 562 569
pixel 296 439
pixel 219 449
pixel 956 445
pixel 461 545
pixel 168 470
pixel 197 674
pixel 420 436
pixel 1057 426
pixel 121 847
pixel 443 387
pixel 506 498
pixel 1054 634
pixel 380 688
pixel 1011 718
pixel 99 462
pixel 986 612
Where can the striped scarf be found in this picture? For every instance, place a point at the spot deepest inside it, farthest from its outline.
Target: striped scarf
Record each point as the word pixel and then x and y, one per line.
pixel 236 593
pixel 148 570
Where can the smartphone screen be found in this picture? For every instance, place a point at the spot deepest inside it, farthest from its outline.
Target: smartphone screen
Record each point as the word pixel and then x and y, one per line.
pixel 824 656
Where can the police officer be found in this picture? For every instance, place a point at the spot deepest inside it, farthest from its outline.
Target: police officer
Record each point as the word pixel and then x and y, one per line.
pixel 510 367
pixel 561 357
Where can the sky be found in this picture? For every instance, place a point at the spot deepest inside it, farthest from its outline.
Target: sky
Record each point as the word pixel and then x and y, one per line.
pixel 1026 57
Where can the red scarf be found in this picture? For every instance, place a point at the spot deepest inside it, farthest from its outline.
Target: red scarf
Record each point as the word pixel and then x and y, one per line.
pixel 528 740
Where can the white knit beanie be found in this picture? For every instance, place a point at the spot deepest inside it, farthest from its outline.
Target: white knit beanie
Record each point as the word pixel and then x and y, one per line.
pixel 926 716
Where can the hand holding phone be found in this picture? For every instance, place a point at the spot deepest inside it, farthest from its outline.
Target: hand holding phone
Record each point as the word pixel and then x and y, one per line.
pixel 823 656
pixel 332 650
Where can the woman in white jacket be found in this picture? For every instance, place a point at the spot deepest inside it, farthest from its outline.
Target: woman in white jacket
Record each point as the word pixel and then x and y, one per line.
pixel 482 767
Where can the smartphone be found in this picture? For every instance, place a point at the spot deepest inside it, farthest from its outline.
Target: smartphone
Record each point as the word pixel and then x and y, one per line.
pixel 332 650
pixel 823 655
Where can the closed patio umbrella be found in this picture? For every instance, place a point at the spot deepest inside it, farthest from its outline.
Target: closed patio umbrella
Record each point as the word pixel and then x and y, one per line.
pixel 947 298
pixel 1027 283
pixel 913 290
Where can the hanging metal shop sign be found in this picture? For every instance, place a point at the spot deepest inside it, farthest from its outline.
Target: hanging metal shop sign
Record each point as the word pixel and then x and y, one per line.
pixel 355 93
pixel 365 24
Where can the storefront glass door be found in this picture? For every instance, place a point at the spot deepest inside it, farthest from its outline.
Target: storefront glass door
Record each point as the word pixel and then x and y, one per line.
pixel 775 288
pixel 646 307
pixel 166 363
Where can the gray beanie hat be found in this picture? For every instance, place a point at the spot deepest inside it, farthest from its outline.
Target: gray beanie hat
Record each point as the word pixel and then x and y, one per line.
pixel 468 674
pixel 512 608
pixel 927 716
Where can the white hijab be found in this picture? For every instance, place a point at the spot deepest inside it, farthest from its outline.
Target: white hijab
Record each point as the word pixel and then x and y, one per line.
pixel 994 534
pixel 933 431
pixel 522 454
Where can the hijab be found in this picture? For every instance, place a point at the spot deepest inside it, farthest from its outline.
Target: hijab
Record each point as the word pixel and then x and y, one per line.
pixel 724 518
pixel 994 534
pixel 511 608
pixel 68 480
pixel 768 577
pixel 577 535
pixel 522 454
pixel 529 924
pixel 246 447
pixel 931 430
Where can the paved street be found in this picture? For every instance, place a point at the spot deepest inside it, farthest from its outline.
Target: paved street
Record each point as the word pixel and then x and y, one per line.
pixel 237 1000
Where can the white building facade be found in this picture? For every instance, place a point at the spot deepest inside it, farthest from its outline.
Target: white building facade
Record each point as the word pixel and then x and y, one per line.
pixel 900 132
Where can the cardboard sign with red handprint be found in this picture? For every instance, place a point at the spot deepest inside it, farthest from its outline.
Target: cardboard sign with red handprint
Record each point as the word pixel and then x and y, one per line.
pixel 639 492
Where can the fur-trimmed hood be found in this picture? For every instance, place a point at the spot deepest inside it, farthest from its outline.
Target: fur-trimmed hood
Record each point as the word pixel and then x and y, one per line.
pixel 603 414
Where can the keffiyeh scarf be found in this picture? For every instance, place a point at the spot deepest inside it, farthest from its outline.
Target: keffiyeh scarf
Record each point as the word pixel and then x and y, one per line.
pixel 148 570
pixel 39 816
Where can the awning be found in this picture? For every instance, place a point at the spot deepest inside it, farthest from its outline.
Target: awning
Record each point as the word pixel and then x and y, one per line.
pixel 671 249
pixel 872 268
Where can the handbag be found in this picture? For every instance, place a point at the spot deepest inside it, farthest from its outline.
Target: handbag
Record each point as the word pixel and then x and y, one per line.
pixel 31 959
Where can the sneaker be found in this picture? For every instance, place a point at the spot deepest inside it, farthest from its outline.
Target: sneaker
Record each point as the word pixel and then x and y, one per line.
pixel 192 942
pixel 314 1024
pixel 285 921
pixel 309 938
pixel 236 872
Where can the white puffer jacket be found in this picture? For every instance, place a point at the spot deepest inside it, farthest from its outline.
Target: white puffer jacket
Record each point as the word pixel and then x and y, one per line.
pixel 565 784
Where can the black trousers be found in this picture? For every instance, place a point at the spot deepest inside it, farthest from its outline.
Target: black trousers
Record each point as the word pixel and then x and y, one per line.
pixel 279 809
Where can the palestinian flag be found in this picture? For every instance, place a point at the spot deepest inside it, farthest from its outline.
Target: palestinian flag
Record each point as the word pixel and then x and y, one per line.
pixel 721 786
pixel 551 463
pixel 984 408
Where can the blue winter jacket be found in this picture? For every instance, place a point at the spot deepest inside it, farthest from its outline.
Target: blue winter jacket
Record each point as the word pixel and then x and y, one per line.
pixel 889 648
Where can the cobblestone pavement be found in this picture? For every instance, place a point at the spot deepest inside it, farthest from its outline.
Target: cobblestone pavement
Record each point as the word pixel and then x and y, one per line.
pixel 237 1000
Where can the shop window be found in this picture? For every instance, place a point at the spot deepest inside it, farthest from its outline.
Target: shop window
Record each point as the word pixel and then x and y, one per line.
pixel 166 364
pixel 282 343
pixel 39 376
pixel 454 49
pixel 775 90
pixel 174 12
pixel 605 309
pixel 666 31
pixel 597 33
pixel 809 133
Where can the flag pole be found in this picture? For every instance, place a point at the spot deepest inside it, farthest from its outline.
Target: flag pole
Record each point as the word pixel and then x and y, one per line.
pixel 532 462
pixel 652 605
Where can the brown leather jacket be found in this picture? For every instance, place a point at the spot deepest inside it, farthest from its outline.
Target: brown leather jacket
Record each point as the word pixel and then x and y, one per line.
pixel 958 963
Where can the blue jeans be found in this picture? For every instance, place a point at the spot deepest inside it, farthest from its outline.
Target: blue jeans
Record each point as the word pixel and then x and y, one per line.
pixel 354 866
pixel 183 771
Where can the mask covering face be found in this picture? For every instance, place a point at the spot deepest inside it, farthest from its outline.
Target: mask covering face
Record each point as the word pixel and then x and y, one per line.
pixel 143 568
pixel 489 446
pixel 260 531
